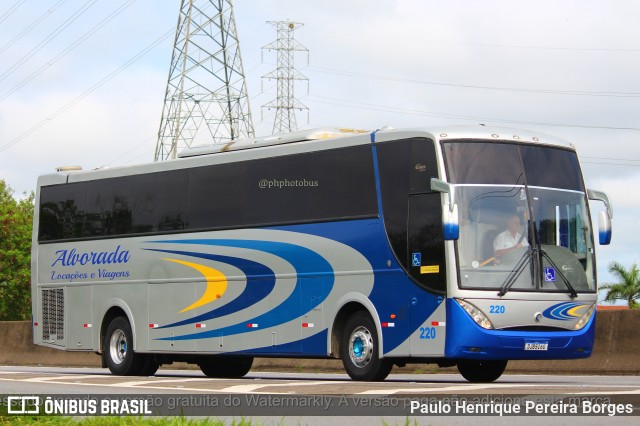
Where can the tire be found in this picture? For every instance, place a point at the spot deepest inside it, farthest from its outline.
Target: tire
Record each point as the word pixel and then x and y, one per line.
pixel 477 371
pixel 118 350
pixel 150 366
pixel 226 367
pixel 359 350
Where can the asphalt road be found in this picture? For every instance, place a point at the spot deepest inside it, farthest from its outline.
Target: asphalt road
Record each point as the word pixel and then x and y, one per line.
pixel 55 380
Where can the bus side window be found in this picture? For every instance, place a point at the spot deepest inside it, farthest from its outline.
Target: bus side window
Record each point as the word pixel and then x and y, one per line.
pixel 62 211
pixel 426 242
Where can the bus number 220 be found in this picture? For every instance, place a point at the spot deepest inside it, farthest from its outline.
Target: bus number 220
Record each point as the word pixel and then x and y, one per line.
pixel 427 332
pixel 497 309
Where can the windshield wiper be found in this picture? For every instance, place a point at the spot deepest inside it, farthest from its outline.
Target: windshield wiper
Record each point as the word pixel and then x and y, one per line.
pixel 515 273
pixel 572 292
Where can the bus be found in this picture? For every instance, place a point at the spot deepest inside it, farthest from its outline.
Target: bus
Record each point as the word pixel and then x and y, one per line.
pixel 462 246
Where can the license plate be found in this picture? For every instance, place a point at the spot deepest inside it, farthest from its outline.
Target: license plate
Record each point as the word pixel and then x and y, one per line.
pixel 536 346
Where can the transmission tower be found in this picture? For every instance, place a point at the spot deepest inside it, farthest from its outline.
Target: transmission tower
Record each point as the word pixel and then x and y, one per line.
pixel 286 75
pixel 206 99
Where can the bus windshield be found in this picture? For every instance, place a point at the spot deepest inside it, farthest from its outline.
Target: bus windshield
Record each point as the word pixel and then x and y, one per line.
pixel 524 221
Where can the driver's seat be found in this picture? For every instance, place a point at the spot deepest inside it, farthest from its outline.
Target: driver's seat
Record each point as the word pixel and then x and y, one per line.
pixel 486 246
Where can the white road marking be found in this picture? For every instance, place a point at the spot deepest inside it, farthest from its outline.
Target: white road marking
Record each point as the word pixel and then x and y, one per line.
pixel 160 380
pixel 262 385
pixel 634 392
pixel 243 388
pixel 254 387
pixel 53 379
pixel 452 388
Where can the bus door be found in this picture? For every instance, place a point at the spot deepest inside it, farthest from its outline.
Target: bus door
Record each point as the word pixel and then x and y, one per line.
pixel 427 269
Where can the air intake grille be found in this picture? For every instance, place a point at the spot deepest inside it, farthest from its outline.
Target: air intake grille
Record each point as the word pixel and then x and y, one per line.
pixel 52 314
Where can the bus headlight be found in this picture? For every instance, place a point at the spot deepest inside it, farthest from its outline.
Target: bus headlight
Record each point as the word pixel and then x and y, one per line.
pixel 585 318
pixel 476 314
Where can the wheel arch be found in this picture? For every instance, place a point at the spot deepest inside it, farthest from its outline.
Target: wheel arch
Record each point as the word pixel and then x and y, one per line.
pixel 345 307
pixel 116 308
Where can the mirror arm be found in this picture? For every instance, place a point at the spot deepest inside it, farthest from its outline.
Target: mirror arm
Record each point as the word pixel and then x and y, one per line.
pixel 446 188
pixel 601 196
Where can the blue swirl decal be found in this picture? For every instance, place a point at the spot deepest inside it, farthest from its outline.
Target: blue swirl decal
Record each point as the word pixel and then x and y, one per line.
pixel 565 311
pixel 256 273
pixel 306 262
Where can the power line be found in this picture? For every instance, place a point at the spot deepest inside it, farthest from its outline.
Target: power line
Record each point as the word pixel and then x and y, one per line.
pixel 346 73
pixel 610 164
pixel 47 39
pixel 31 26
pixel 472 118
pixel 423 41
pixel 385 108
pixel 68 49
pixel 10 11
pixel 611 159
pixel 87 92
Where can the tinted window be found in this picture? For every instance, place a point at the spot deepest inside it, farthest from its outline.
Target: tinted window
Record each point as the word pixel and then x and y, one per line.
pixel 393 160
pixel 495 163
pixel 62 211
pixel 155 202
pixel 426 241
pixel 406 167
pixel 326 185
pixel 217 196
pixel 99 217
pixel 487 163
pixel 552 168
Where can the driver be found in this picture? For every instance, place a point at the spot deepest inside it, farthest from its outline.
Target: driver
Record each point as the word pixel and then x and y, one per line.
pixel 510 239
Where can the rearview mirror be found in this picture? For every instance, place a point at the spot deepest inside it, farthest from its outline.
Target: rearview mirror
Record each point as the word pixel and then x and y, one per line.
pixel 604 228
pixel 604 217
pixel 450 226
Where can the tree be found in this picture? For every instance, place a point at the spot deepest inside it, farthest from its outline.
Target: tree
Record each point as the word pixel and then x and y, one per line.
pixel 628 287
pixel 16 217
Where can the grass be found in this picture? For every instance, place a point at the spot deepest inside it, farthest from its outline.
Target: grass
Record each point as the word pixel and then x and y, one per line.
pixel 117 421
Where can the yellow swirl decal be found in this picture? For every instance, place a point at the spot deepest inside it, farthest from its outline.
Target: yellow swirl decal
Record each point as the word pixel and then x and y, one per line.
pixel 216 283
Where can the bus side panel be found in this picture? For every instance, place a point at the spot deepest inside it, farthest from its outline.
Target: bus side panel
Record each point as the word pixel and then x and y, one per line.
pixel 313 314
pixel 78 321
pixel 163 297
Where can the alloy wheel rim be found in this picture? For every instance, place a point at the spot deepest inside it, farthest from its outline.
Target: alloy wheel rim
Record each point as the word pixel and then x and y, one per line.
pixel 118 346
pixel 361 347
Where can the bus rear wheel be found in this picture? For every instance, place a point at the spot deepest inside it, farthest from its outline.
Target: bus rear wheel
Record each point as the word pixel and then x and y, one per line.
pixel 226 367
pixel 149 367
pixel 118 350
pixel 478 371
pixel 359 350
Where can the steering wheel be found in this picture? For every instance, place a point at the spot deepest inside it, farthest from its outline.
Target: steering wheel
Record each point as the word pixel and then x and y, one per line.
pixel 486 262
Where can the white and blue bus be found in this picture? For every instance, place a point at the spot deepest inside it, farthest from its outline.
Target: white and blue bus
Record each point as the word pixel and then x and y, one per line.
pixel 466 246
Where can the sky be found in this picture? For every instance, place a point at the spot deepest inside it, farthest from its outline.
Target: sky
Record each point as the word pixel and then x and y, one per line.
pixel 82 82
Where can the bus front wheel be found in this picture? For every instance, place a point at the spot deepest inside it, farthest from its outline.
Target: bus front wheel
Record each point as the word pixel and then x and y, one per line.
pixel 118 350
pixel 359 350
pixel 479 371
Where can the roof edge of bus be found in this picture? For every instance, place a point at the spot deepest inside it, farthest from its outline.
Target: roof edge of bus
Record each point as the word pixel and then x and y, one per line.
pixel 499 133
pixel 240 144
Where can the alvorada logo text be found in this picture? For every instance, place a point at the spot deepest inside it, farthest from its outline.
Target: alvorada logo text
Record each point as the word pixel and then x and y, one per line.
pixel 72 257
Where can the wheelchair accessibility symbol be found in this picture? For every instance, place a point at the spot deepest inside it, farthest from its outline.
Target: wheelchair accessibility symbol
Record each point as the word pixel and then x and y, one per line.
pixel 416 259
pixel 550 275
